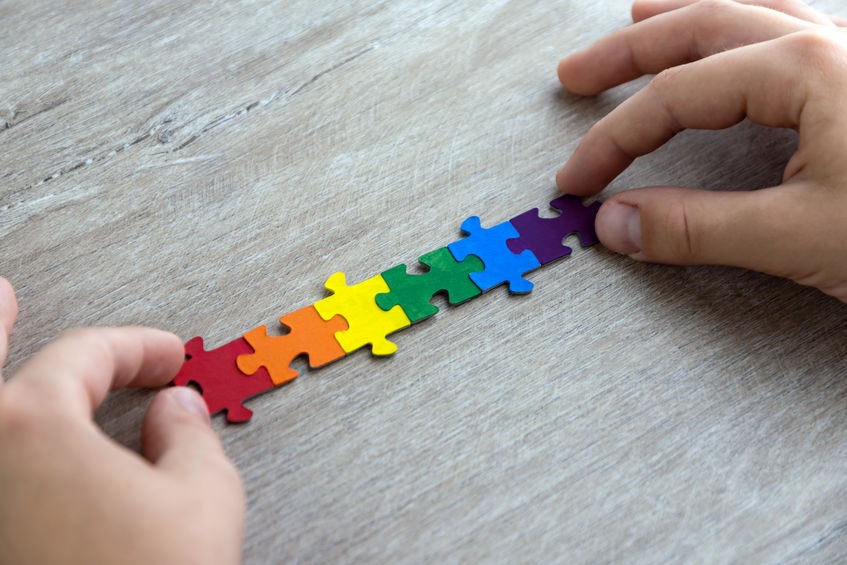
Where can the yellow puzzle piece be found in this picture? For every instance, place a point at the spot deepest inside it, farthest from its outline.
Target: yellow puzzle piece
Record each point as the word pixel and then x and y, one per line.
pixel 369 324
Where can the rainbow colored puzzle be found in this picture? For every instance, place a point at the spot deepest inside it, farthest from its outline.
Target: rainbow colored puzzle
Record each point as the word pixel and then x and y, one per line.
pixel 366 313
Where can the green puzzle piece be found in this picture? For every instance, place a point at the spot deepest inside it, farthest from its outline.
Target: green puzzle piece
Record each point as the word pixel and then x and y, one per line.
pixel 414 291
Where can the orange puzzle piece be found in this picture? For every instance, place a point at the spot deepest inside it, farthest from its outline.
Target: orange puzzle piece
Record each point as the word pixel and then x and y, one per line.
pixel 309 334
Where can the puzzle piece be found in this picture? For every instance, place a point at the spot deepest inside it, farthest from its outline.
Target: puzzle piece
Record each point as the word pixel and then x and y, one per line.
pixel 413 292
pixel 223 386
pixel 368 323
pixel 544 236
pixel 501 265
pixel 309 335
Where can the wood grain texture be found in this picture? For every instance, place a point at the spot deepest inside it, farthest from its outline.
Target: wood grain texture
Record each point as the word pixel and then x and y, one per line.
pixel 204 167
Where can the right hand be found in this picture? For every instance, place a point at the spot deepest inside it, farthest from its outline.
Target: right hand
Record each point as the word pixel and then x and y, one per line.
pixel 777 62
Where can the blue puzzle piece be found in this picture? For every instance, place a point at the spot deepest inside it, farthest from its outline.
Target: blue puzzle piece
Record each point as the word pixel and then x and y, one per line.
pixel 501 265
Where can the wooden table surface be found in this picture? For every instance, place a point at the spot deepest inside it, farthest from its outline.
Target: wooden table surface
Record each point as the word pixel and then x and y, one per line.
pixel 204 167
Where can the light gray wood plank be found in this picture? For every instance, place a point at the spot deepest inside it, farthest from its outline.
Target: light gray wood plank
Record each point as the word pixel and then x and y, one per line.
pixel 205 167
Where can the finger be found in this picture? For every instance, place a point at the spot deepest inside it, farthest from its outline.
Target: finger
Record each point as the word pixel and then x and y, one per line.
pixel 755 230
pixel 8 315
pixel 839 21
pixel 680 36
pixel 764 82
pixel 80 367
pixel 8 306
pixel 177 438
pixel 643 9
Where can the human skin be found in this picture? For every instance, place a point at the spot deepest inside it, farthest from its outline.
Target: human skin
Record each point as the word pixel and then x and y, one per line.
pixel 778 63
pixel 72 495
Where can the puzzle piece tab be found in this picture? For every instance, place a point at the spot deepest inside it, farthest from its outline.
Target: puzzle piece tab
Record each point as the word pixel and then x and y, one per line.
pixel 368 323
pixel 544 236
pixel 414 291
pixel 222 385
pixel 501 265
pixel 309 335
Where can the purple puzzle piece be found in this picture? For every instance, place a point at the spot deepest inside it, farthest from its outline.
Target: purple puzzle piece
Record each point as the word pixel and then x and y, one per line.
pixel 544 236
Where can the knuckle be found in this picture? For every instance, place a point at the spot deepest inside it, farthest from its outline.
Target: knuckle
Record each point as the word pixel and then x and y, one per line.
pixel 19 415
pixel 74 333
pixel 85 336
pixel 710 20
pixel 90 342
pixel 688 243
pixel 817 46
pixel 712 7
pixel 783 6
pixel 665 80
pixel 671 236
pixel 663 89
pixel 820 56
pixel 83 340
pixel 714 12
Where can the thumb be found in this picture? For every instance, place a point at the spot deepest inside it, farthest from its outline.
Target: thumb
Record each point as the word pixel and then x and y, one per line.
pixel 770 230
pixel 177 438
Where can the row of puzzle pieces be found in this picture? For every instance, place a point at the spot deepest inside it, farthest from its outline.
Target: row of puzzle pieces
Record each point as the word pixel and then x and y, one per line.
pixel 366 313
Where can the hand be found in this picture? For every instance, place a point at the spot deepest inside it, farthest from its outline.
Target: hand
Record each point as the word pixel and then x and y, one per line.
pixel 71 495
pixel 777 62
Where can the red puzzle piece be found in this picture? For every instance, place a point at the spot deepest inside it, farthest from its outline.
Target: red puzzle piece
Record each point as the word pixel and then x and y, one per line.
pixel 222 385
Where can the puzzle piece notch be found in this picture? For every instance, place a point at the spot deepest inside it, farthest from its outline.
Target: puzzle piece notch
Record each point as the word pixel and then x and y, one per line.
pixel 368 323
pixel 545 236
pixel 413 292
pixel 501 264
pixel 309 335
pixel 222 385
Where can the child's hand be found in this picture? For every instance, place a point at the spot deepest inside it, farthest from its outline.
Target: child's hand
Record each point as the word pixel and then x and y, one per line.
pixel 779 63
pixel 71 495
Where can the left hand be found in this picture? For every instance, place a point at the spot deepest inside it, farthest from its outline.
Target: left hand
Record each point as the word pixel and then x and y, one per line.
pixel 72 495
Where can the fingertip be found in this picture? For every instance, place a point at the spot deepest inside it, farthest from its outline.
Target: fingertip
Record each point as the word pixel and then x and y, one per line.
pixel 561 180
pixel 618 227
pixel 575 75
pixel 190 400
pixel 572 178
pixel 177 439
pixel 562 71
pixel 6 285
pixel 173 351
pixel 171 409
pixel 166 353
pixel 8 305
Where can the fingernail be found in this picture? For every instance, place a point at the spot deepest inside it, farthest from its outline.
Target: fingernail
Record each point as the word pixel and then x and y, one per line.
pixel 191 401
pixel 619 228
